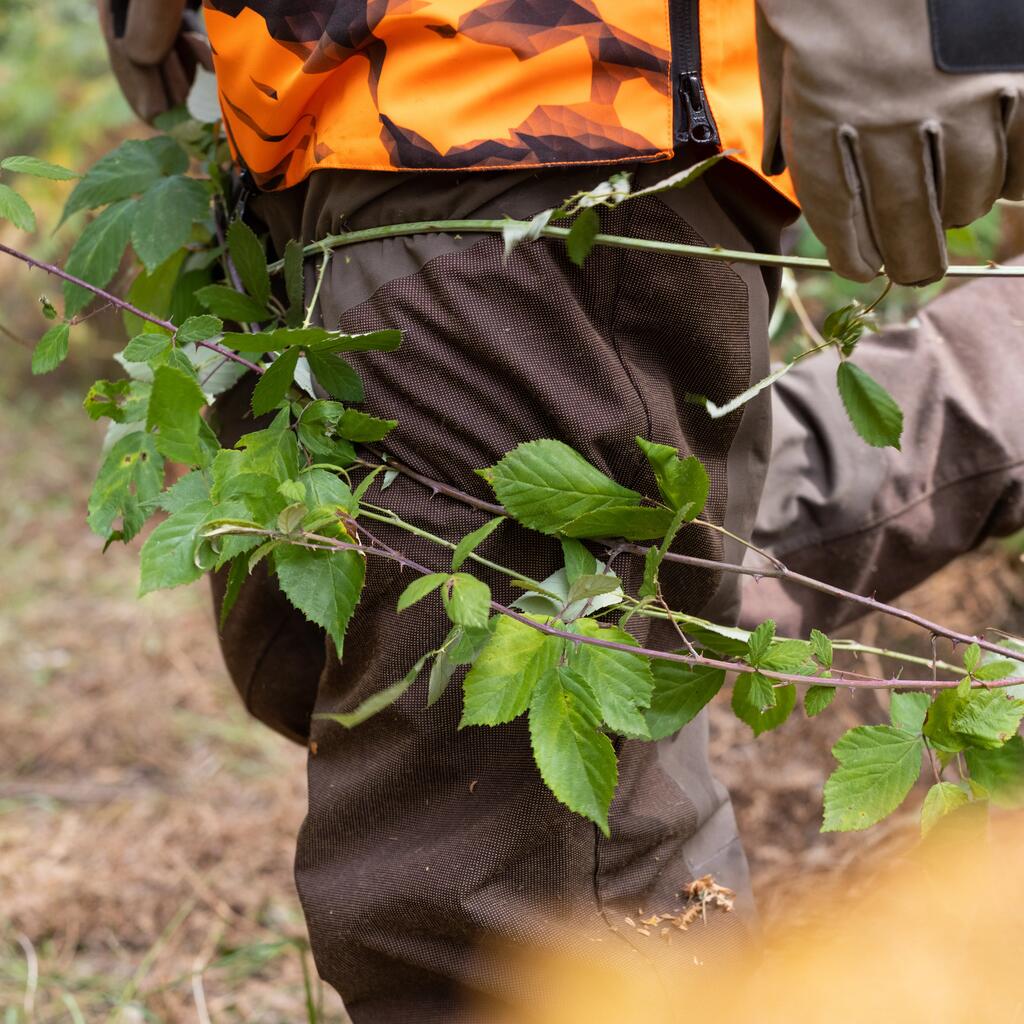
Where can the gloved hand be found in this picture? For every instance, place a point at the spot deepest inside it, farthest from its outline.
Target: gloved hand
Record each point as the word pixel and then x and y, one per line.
pixel 897 119
pixel 154 47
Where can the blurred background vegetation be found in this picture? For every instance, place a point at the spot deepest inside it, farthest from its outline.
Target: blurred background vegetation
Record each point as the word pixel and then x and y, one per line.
pixel 146 824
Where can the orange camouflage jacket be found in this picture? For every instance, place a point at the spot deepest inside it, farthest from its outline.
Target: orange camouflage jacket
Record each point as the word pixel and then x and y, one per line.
pixel 482 84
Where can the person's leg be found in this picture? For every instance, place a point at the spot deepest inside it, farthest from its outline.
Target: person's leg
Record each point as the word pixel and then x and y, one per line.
pixel 423 843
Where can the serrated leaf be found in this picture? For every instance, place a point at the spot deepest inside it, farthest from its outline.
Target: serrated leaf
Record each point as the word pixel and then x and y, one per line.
pixel 131 168
pixel 52 349
pixel 680 694
pixel 578 560
pixel 323 585
pixel 993 671
pixel 752 703
pixel 168 556
pixel 577 762
pixel 497 688
pixel 155 294
pixel 622 683
pixel 792 656
pixel 818 698
pixel 972 658
pixel 580 239
pixel 118 399
pixel 546 485
pixel 821 647
pixel 144 347
pixel 37 168
pixel 294 282
pixel 872 410
pixel 988 718
pixel 1000 772
pixel 97 254
pixel 336 376
pixel 273 385
pixel 467 601
pixel 189 489
pixel 129 480
pixel 164 218
pixel 237 575
pixel 326 490
pixel 683 483
pixel 938 726
pixel 377 702
pixel 275 340
pixel 943 798
pixel 907 711
pixel 420 588
pixel 198 328
pixel 174 406
pixel 232 305
pixel 630 522
pixel 473 540
pixel 362 427
pixel 250 260
pixel 878 766
pixel 760 641
pixel 371 341
pixel 596 585
pixel 16 210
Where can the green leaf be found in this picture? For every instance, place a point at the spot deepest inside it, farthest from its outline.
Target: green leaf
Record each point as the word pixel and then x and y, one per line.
pixel 872 410
pixel 361 427
pixel 378 701
pixel 576 761
pixel 545 485
pixel 580 239
pixel 198 328
pixel 420 588
pixel 325 490
pixel 630 522
pixel 174 411
pixel 338 379
pixel 467 601
pixel 250 261
pixel 821 647
pixel 988 718
pixel 595 585
pixel 37 168
pixel 52 349
pixel 275 340
pixel 938 726
pixel 473 540
pixel 942 799
pixel 16 210
pixel 993 671
pixel 497 688
pixel 760 642
pixel 1000 772
pixel 372 341
pixel 792 656
pixel 192 487
pixel 124 401
pixel 164 218
pixel 907 711
pixel 131 168
pixel 878 766
pixel 683 483
pixel 622 683
pixel 129 481
pixel 228 304
pixel 155 294
pixel 578 560
pixel 760 704
pixel 817 699
pixel 97 254
pixel 680 693
pixel 972 658
pixel 272 387
pixel 294 282
pixel 237 575
pixel 144 347
pixel 168 556
pixel 323 585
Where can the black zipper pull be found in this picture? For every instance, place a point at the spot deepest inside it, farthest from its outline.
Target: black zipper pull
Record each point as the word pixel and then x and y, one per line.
pixel 695 124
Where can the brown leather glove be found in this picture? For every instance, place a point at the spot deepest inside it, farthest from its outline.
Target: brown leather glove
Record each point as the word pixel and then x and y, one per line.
pixel 897 118
pixel 154 47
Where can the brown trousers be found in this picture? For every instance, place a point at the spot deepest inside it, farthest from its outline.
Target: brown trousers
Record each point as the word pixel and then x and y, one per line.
pixel 426 846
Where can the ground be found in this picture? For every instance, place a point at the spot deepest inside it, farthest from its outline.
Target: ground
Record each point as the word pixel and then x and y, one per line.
pixel 147 825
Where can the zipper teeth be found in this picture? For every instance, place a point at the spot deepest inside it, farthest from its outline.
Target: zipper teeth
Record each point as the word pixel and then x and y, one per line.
pixel 685 52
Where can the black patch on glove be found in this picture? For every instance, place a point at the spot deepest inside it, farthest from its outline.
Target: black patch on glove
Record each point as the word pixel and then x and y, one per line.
pixel 969 36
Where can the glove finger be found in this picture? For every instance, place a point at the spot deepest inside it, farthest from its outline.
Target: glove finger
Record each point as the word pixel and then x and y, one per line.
pixel 973 164
pixel 769 62
pixel 151 28
pixel 1013 116
pixel 830 188
pixel 177 72
pixel 902 169
pixel 143 87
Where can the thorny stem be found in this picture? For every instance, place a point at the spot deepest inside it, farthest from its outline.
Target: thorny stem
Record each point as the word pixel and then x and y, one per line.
pixel 316 542
pixel 127 307
pixel 497 227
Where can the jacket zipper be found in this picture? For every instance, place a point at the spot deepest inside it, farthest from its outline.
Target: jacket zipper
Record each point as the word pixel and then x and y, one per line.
pixel 692 114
